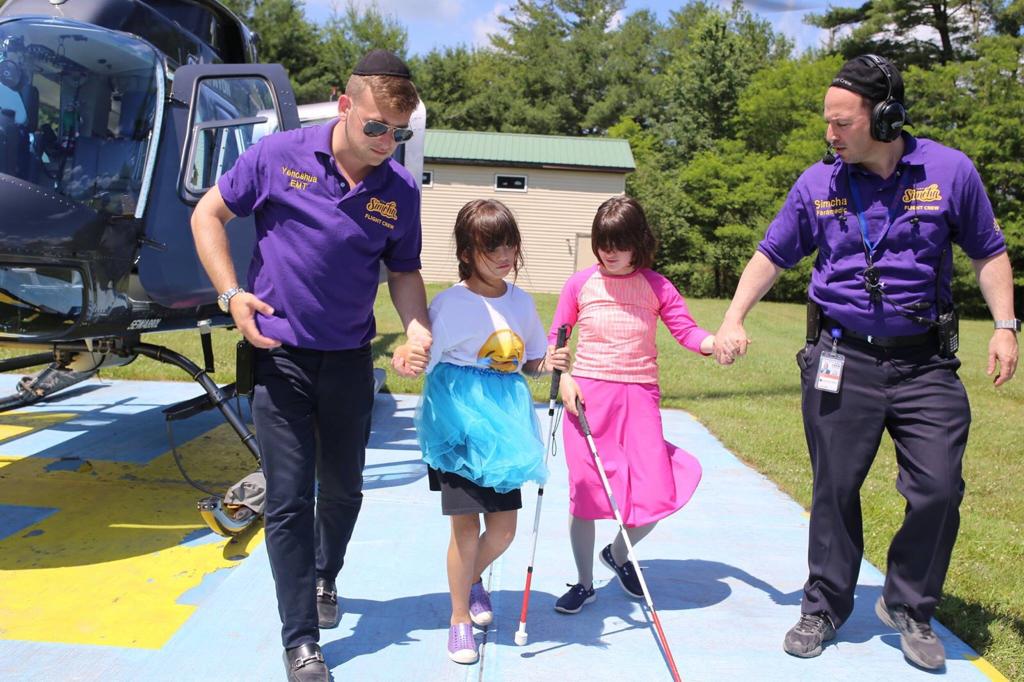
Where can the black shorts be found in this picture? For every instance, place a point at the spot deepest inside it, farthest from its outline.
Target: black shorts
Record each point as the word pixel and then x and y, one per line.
pixel 461 496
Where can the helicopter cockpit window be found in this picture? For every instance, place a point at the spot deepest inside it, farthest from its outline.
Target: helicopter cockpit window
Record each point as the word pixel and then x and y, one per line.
pixel 230 115
pixel 77 111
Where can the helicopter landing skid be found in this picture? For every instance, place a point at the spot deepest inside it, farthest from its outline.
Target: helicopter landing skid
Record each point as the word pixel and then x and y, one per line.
pixel 226 519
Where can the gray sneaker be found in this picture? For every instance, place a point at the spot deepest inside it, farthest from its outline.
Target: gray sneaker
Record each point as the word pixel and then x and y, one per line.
pixel 806 638
pixel 919 642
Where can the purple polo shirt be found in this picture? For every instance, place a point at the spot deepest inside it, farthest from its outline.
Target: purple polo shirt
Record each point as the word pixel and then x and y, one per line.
pixel 937 185
pixel 320 242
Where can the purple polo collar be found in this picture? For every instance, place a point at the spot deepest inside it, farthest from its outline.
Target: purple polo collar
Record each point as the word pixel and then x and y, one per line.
pixel 913 155
pixel 325 152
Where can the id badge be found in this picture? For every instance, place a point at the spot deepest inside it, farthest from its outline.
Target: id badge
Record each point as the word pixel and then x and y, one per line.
pixel 830 372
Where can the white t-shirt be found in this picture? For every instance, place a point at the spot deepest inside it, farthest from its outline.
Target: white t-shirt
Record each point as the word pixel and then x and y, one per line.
pixel 471 330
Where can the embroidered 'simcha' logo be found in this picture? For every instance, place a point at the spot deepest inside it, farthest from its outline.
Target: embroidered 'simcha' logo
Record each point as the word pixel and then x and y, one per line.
pixel 836 205
pixel 929 193
pixel 388 210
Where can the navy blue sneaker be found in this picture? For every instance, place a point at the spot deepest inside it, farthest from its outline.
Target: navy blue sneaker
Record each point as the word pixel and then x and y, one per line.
pixel 575 599
pixel 625 573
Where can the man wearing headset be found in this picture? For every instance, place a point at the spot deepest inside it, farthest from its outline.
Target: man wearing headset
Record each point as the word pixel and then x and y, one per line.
pixel 882 210
pixel 330 206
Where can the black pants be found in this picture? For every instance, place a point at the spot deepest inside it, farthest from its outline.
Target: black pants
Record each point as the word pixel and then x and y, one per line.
pixel 916 396
pixel 312 412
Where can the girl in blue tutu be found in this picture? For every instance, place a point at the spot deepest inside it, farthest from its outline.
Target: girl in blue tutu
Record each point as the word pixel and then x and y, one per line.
pixel 476 421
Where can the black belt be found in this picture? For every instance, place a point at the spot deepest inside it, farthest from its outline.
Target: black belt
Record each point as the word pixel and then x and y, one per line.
pixel 882 341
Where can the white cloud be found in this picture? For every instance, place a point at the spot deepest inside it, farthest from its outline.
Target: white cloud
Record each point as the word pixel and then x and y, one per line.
pixel 804 35
pixel 406 11
pixel 487 24
pixel 617 20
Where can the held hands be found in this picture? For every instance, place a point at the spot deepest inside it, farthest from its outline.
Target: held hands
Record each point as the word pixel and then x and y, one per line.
pixel 411 358
pixel 244 307
pixel 1002 351
pixel 730 342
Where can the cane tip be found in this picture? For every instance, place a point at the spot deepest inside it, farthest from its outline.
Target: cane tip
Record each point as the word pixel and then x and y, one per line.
pixel 521 638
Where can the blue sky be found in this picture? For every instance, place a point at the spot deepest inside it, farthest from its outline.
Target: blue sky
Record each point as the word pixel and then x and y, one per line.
pixel 441 23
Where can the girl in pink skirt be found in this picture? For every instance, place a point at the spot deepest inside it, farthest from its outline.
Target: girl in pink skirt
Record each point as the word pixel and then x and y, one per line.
pixel 615 305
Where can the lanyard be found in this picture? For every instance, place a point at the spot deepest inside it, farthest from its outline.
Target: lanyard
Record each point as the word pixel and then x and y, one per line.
pixel 862 219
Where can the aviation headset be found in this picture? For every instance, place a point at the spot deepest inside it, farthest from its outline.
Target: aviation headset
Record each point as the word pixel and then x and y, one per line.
pixel 10 74
pixel 888 116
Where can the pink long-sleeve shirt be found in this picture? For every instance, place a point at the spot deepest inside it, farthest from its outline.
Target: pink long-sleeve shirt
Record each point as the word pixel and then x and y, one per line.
pixel 617 318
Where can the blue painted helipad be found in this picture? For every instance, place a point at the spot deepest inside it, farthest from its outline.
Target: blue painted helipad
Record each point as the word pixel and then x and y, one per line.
pixel 107 573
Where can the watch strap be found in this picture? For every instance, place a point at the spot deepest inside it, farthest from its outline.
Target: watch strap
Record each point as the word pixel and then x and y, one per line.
pixel 225 298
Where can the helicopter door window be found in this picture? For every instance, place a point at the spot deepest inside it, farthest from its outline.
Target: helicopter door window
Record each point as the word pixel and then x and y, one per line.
pixel 229 116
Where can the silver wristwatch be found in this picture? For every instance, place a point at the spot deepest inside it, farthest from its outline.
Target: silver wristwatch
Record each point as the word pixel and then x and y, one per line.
pixel 224 300
pixel 1013 325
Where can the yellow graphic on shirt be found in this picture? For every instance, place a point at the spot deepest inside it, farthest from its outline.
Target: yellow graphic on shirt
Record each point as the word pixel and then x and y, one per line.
pixel 388 209
pixel 383 209
pixel 298 179
pixel 918 199
pixel 929 193
pixel 833 206
pixel 503 351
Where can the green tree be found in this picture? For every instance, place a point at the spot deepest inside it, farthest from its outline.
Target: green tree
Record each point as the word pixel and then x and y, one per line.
pixel 533 51
pixel 285 37
pixel 634 59
pixel 571 67
pixel 463 88
pixel 977 107
pixel 347 35
pixel 911 31
pixel 703 79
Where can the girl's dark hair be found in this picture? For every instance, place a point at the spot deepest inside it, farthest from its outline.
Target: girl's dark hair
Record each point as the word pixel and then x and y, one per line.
pixel 481 226
pixel 620 225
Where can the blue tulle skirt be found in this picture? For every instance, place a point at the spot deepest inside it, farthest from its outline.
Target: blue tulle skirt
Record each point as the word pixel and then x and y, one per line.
pixel 481 425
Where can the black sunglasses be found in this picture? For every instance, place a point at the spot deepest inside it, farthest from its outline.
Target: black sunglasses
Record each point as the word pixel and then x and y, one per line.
pixel 372 128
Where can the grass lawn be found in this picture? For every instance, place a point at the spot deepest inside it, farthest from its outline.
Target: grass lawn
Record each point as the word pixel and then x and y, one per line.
pixel 753 407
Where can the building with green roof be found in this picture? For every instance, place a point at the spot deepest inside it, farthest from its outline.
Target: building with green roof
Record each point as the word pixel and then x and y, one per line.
pixel 553 184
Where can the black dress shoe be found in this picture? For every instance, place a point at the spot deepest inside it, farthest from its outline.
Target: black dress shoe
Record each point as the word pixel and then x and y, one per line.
pixel 326 603
pixel 305 663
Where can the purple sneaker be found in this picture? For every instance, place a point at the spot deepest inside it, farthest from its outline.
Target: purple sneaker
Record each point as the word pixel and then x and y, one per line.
pixel 480 611
pixel 461 645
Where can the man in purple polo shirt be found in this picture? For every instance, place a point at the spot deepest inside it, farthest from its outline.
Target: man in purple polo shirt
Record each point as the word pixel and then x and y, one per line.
pixel 882 210
pixel 330 206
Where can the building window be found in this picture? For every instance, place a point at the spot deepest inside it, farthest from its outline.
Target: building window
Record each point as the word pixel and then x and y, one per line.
pixel 510 183
pixel 428 178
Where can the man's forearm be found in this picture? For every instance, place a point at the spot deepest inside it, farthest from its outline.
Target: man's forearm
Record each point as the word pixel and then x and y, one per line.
pixel 995 278
pixel 210 234
pixel 757 279
pixel 409 296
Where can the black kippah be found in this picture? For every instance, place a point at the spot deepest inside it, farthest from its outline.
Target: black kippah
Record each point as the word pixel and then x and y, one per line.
pixel 864 76
pixel 381 63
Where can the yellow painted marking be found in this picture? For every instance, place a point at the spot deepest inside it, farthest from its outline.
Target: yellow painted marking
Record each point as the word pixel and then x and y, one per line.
pixel 7 431
pixel 18 424
pixel 987 668
pixel 184 526
pixel 108 567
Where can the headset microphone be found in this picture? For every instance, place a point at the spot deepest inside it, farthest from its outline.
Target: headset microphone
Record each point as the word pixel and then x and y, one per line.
pixel 830 156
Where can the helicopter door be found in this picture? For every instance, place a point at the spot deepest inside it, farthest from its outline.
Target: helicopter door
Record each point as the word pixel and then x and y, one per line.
pixel 215 113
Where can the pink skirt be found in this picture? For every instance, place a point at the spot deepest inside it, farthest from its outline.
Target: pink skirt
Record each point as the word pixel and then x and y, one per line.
pixel 650 477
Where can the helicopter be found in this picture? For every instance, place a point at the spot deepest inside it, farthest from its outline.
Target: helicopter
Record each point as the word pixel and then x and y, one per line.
pixel 116 116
